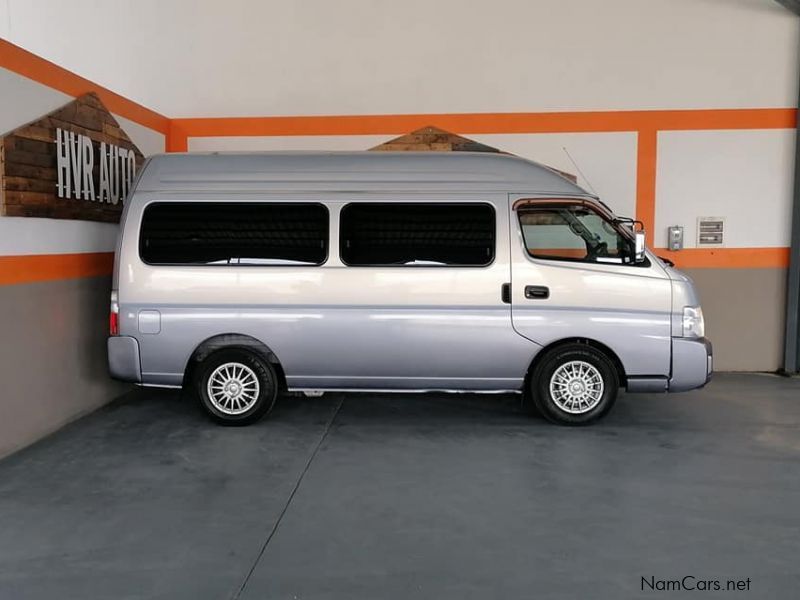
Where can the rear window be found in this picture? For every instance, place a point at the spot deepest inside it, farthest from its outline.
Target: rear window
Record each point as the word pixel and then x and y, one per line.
pixel 201 233
pixel 411 234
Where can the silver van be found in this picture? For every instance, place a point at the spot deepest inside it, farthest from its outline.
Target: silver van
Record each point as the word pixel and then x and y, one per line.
pixel 242 275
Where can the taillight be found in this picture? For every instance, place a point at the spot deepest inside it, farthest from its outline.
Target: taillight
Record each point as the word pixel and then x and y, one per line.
pixel 113 315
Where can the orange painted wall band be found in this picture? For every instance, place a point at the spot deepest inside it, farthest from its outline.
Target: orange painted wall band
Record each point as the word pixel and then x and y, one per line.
pixel 471 123
pixel 53 267
pixel 177 140
pixel 42 71
pixel 728 258
pixel 646 167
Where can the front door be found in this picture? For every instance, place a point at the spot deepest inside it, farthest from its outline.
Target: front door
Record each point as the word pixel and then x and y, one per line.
pixel 573 277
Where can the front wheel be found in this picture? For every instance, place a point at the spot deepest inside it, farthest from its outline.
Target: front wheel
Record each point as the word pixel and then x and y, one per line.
pixel 574 384
pixel 236 386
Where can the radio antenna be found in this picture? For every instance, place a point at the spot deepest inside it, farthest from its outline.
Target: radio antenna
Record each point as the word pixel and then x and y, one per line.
pixel 577 168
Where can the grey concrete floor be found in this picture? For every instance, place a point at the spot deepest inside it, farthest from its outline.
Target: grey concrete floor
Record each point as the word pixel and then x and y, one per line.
pixel 429 496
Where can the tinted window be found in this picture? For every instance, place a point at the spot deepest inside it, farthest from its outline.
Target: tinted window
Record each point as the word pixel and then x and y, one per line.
pixel 572 233
pixel 417 234
pixel 234 234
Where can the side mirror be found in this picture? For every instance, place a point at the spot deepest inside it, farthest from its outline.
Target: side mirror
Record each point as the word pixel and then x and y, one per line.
pixel 638 253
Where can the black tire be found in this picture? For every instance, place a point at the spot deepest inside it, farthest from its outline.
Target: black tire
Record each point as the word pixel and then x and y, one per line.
pixel 584 408
pixel 242 410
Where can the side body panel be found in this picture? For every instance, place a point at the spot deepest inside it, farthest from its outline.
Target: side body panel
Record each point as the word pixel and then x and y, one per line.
pixel 331 327
pixel 626 308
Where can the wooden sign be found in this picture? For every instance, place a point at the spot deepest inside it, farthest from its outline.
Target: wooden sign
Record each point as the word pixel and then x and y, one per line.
pixel 433 139
pixel 74 163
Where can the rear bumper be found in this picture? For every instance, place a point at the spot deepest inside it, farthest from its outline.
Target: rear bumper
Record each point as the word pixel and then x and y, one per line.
pixel 123 359
pixel 692 364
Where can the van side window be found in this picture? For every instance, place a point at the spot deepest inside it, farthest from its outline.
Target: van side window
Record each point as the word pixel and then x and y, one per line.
pixel 573 233
pixel 211 233
pixel 417 234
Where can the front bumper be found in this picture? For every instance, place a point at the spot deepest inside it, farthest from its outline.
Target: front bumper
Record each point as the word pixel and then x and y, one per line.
pixel 692 364
pixel 123 358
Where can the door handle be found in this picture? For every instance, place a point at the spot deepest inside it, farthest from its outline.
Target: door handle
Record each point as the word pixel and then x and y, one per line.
pixel 537 292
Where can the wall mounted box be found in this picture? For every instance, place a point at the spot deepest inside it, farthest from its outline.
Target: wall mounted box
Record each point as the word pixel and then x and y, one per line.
pixel 710 232
pixel 675 237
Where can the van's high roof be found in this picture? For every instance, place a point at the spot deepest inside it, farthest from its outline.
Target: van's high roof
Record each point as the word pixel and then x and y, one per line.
pixel 351 171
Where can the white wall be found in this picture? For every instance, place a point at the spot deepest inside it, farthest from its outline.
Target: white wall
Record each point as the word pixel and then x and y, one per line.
pixel 149 141
pixel 605 163
pixel 744 176
pixel 240 57
pixel 24 235
pixel 25 100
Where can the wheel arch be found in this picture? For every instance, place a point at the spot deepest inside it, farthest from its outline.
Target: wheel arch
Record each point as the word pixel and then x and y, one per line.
pixel 232 340
pixel 601 347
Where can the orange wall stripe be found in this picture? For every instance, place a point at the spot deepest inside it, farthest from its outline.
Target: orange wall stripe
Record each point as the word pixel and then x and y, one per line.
pixel 646 167
pixel 42 71
pixel 53 267
pixel 552 122
pixel 177 140
pixel 727 258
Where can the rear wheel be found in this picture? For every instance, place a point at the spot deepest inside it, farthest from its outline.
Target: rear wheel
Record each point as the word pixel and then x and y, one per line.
pixel 574 384
pixel 236 386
